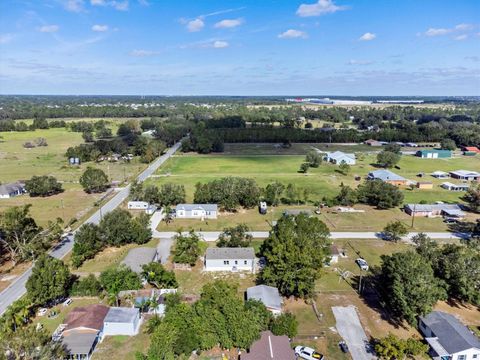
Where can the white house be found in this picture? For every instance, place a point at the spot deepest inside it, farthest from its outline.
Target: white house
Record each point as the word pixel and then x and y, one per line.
pixel 229 259
pixel 138 205
pixel 448 337
pixel 440 174
pixel 339 157
pixel 8 191
pixel 268 295
pixel 196 211
pixel 121 321
pixel 465 175
pixel 454 187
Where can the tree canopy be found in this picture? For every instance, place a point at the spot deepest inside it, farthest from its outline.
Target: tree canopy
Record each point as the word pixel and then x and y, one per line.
pixel 43 186
pixel 187 248
pixel 235 236
pixel 94 180
pixel 295 251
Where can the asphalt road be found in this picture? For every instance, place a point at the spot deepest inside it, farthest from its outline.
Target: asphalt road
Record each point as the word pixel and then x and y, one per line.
pixel 17 287
pixel 213 235
pixel 349 327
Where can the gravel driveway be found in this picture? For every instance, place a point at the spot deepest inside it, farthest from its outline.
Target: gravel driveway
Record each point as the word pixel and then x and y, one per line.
pixel 349 327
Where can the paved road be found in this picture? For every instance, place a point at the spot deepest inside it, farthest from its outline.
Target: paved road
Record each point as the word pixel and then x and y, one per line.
pixel 17 288
pixel 213 235
pixel 350 329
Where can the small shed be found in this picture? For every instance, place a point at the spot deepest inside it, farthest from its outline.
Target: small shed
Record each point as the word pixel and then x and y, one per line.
pixel 122 321
pixel 440 174
pixel 424 185
pixel 334 254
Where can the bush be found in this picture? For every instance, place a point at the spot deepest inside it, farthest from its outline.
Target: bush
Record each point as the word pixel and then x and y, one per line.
pixel 87 286
pixel 43 186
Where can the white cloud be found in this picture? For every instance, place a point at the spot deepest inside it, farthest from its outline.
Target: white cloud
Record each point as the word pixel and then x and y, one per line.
pixel 118 5
pixel 6 38
pixel 220 44
pixel 48 28
pixel 437 31
pixel 100 28
pixel 464 27
pixel 292 34
pixel 195 25
pixel 228 23
pixel 74 5
pixel 368 36
pixel 359 62
pixel 461 37
pixel 321 7
pixel 143 53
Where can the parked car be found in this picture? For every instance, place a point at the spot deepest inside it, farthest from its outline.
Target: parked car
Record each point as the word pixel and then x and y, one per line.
pixel 343 346
pixel 362 264
pixel 307 353
pixel 42 311
pixel 67 302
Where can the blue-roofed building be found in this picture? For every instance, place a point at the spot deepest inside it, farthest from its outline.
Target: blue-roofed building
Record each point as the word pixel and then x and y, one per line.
pixel 387 176
pixel 448 338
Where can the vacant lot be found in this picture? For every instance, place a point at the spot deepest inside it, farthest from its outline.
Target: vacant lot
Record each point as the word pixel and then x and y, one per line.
pixel 19 163
pixel 321 182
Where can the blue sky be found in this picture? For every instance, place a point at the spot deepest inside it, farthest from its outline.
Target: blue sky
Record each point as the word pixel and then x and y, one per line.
pixel 253 47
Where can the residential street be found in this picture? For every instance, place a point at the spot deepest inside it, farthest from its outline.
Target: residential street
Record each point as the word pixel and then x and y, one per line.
pixel 17 288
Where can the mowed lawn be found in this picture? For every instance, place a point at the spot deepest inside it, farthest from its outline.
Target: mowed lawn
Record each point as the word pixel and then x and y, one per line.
pixel 18 163
pixel 323 181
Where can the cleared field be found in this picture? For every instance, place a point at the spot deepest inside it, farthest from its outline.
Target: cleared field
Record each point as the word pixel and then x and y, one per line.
pixel 321 182
pixel 19 163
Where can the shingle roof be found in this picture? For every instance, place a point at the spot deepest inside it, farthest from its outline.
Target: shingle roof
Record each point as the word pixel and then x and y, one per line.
pixel 138 257
pixel 451 333
pixel 8 189
pixel 268 295
pixel 79 343
pixel 90 317
pixel 270 347
pixel 230 253
pixel 121 315
pixel 190 207
pixel 385 175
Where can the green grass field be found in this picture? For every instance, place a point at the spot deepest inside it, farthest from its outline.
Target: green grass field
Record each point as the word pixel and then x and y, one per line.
pixel 323 181
pixel 19 163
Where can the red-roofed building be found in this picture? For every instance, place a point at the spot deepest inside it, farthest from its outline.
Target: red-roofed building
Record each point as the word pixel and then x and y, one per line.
pixel 471 149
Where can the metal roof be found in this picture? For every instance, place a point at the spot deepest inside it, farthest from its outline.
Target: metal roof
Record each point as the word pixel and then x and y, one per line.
pixel 433 207
pixel 122 315
pixel 268 295
pixel 190 207
pixel 452 335
pixel 338 155
pixel 385 175
pixel 465 173
pixel 138 257
pixel 79 343
pixel 230 253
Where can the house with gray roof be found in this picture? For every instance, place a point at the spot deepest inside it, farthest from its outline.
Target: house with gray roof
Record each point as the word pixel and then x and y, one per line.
pixel 229 259
pixel 140 256
pixel 387 176
pixel 196 211
pixel 339 157
pixel 8 191
pixel 268 295
pixel 465 175
pixel 433 210
pixel 122 321
pixel 80 345
pixel 448 337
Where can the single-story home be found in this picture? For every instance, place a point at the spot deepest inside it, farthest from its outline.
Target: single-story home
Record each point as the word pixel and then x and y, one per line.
pixel 432 210
pixel 229 259
pixel 454 187
pixel 268 295
pixel 122 321
pixel 8 191
pixel 440 174
pixel 82 329
pixel 296 212
pixel 472 149
pixel 465 175
pixel 372 142
pixel 270 347
pixel 387 176
pixel 448 337
pixel 138 205
pixel 339 157
pixel 424 185
pixel 196 211
pixel 434 154
pixel 140 256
